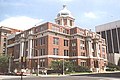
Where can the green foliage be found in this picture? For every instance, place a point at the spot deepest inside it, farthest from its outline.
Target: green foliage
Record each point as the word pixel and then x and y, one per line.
pixel 113 66
pixel 81 69
pixel 58 66
pixel 110 69
pixel 68 67
pixel 4 63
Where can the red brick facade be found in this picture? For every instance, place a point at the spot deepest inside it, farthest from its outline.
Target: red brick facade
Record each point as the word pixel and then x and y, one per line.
pixel 47 42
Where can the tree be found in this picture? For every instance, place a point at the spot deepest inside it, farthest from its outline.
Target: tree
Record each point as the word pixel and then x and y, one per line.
pixel 69 66
pixel 58 66
pixel 4 63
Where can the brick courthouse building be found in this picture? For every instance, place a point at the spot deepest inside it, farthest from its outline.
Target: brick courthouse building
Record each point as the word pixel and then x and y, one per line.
pixel 61 40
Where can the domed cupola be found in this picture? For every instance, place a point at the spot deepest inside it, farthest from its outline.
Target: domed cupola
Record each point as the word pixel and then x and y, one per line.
pixel 64 12
pixel 65 18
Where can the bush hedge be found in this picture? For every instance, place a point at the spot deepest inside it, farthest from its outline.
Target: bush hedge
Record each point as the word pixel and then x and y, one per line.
pixel 81 69
pixel 112 67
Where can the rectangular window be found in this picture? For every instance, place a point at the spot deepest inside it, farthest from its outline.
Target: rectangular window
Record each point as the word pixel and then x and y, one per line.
pixel 41 50
pixel 36 42
pixel 41 28
pixel 118 33
pixel 73 54
pixel 66 53
pixel 59 22
pixel 96 64
pixel 42 63
pixel 55 51
pixel 103 49
pixel 81 42
pixel 65 21
pixel 4 44
pixel 109 41
pixel 103 34
pixel 65 42
pixel 73 44
pixel 56 41
pixel 36 53
pixel 83 54
pixel 93 46
pixel 4 39
pixel 82 45
pixel 99 47
pixel 42 41
pixel 104 56
pixel 83 63
pixel 65 31
pixel 115 42
pixel 70 22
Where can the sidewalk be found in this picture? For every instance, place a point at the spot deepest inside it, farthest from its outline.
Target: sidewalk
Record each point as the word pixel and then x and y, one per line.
pixel 55 75
pixel 50 75
pixel 9 77
pixel 47 75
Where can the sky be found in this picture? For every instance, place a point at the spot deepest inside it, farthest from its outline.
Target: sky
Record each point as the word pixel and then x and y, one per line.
pixel 24 14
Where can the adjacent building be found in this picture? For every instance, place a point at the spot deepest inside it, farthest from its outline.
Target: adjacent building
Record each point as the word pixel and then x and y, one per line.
pixel 111 33
pixel 4 32
pixel 58 41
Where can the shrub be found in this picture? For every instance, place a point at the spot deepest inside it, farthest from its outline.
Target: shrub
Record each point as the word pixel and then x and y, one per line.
pixel 82 69
pixel 110 69
pixel 113 66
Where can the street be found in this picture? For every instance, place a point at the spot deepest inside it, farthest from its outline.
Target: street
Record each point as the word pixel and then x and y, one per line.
pixel 65 78
pixel 101 76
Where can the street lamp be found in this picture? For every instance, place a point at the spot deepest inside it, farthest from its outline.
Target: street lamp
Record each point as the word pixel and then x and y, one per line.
pixel 10 62
pixel 38 66
pixel 9 68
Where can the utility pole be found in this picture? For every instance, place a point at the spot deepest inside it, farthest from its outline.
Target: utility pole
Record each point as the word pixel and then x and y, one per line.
pixel 63 66
pixel 21 67
pixel 22 61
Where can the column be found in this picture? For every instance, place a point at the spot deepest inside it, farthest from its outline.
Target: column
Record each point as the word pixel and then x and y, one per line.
pixel 112 40
pixel 106 41
pixel 21 48
pixel 29 48
pixel 97 49
pixel 89 52
pixel 118 40
pixel 30 54
pixel 68 22
pixel 89 47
